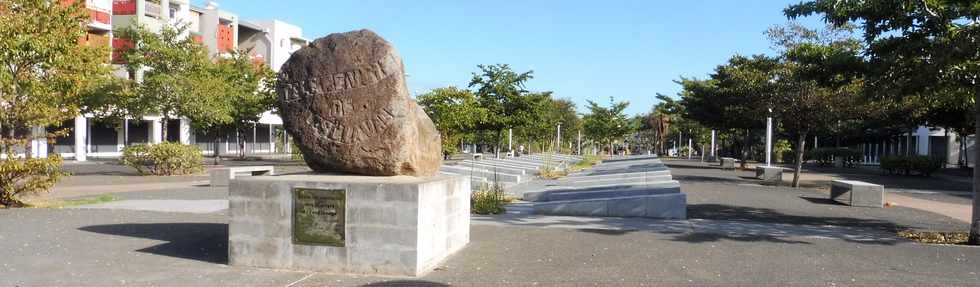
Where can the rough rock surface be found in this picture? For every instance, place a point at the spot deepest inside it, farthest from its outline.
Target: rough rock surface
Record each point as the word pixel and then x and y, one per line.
pixel 343 99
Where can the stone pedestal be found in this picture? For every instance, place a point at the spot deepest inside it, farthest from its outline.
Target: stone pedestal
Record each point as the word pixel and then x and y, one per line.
pixel 769 174
pixel 399 225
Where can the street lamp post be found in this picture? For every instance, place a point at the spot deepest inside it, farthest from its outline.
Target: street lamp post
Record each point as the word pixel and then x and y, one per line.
pixel 559 139
pixel 769 139
pixel 712 144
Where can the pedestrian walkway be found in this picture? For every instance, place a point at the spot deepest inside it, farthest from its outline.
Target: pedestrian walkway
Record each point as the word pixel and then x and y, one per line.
pixel 959 212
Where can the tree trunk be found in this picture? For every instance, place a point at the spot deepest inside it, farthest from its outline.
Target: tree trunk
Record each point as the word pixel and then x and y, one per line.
pixel 975 219
pixel 745 147
pixel 217 146
pixel 28 145
pixel 801 144
pixel 163 129
pixel 240 136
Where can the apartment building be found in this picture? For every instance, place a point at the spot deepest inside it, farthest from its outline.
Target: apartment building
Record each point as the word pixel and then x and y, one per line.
pixel 221 32
pixel 928 141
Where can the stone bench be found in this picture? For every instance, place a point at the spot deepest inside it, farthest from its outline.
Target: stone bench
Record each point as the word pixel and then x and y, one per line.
pixel 727 163
pixel 769 174
pixel 222 176
pixel 857 193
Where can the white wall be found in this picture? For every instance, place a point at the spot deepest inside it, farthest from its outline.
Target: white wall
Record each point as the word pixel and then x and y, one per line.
pixel 281 34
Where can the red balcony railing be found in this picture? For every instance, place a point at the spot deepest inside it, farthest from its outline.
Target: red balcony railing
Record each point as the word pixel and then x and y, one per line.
pixel 123 7
pixel 120 46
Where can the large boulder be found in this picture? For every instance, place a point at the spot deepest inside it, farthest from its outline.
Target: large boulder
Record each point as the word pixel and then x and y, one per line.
pixel 343 99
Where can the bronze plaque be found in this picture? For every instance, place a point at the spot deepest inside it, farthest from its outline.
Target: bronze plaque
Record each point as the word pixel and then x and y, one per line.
pixel 319 216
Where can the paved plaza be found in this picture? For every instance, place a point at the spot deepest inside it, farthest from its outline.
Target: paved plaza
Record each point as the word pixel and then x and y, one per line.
pixel 738 233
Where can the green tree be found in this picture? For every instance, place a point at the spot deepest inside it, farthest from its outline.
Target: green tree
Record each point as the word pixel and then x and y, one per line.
pixel 249 92
pixel 605 125
pixel 455 113
pixel 734 97
pixel 501 92
pixel 818 83
pixel 165 67
pixel 917 47
pixel 44 77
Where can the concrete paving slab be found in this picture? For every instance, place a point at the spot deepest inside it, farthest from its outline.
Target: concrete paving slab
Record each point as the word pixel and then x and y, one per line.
pixel 172 205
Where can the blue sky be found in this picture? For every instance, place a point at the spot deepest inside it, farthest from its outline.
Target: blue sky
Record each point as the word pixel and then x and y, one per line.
pixel 582 50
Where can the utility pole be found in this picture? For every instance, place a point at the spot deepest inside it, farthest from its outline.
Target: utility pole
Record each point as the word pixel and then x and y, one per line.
pixel 580 141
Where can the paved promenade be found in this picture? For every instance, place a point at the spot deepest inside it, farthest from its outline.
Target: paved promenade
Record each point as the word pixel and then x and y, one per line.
pixel 738 233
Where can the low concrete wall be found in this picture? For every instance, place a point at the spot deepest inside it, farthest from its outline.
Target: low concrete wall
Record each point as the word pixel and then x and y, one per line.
pixel 402 226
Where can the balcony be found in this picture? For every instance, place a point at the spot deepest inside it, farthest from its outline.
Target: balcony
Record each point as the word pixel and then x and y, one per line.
pixel 124 7
pixel 152 10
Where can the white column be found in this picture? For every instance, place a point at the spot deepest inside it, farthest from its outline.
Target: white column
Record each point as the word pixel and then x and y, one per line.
pixel 923 136
pixel 81 134
pixel 255 139
pixel 580 141
pixel 272 140
pixel 690 148
pixel 712 143
pixel 39 142
pixel 185 131
pixel 156 131
pixel 769 141
pixel 121 137
pixel 559 139
pixel 510 140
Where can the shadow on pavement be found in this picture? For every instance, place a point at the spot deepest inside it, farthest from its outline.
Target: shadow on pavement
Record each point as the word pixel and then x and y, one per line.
pixel 712 237
pixel 206 242
pixel 766 215
pixel 411 283
pixel 820 200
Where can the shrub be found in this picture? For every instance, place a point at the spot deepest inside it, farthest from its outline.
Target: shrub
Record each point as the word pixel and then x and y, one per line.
pixel 904 164
pixel 20 177
pixel 587 161
pixel 488 200
pixel 550 172
pixel 163 159
pixel 826 156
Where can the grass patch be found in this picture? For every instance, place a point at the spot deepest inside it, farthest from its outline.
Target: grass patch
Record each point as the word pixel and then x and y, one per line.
pixel 936 237
pixel 549 172
pixel 588 161
pixel 71 202
pixel 489 199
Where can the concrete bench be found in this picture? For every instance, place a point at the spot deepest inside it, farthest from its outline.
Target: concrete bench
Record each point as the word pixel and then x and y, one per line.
pixel 727 163
pixel 769 174
pixel 857 193
pixel 222 176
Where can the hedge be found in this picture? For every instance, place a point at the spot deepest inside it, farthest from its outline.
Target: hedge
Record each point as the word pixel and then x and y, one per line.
pixel 906 164
pixel 165 158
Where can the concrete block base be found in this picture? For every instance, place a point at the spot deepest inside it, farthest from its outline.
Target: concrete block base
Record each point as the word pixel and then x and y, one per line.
pixel 727 163
pixel 769 174
pixel 665 206
pixel 857 193
pixel 396 226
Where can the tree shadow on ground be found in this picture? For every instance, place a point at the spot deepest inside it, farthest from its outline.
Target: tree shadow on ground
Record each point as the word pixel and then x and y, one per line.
pixel 714 237
pixel 206 242
pixel 692 165
pixel 699 178
pixel 409 283
pixel 766 215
